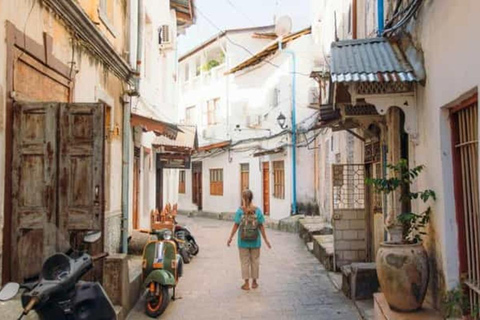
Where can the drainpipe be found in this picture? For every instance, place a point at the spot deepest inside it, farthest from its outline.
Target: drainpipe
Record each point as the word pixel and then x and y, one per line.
pixel 125 172
pixel 140 31
pixel 294 126
pixel 380 14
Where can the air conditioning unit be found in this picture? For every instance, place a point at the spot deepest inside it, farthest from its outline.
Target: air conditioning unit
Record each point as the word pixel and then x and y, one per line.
pixel 314 97
pixel 164 37
pixel 254 120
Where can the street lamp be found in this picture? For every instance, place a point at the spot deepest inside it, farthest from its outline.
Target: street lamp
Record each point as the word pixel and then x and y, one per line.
pixel 281 120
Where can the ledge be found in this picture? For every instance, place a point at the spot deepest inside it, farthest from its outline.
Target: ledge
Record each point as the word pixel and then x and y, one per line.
pixel 83 28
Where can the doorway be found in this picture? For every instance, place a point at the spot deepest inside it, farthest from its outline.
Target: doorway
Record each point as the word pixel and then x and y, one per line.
pixel 266 187
pixel 57 180
pixel 244 177
pixel 197 184
pixel 464 122
pixel 136 186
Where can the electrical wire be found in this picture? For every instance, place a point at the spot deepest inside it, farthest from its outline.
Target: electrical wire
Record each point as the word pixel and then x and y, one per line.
pixel 240 12
pixel 241 46
pixel 409 12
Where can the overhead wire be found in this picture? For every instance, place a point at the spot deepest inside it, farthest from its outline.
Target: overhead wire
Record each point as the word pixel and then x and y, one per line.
pixel 240 12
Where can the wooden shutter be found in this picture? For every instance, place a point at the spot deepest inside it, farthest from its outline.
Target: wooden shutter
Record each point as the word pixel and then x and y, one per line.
pixel 33 187
pixel 81 166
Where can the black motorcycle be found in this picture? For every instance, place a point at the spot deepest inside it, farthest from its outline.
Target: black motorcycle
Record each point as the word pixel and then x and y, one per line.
pixel 59 294
pixel 183 233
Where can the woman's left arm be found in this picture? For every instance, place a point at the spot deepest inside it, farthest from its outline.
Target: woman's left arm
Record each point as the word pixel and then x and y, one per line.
pixel 264 235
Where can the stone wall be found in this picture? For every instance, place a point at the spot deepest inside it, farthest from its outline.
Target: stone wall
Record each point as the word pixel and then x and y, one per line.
pixel 349 232
pixel 113 231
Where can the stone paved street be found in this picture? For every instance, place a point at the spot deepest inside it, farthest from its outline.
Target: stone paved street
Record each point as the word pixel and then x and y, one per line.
pixel 293 285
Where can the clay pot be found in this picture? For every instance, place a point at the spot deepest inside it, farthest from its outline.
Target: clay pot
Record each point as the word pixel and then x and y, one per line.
pixel 402 271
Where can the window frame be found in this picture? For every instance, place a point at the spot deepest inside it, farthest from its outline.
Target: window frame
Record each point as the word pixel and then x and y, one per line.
pixel 216 181
pixel 181 182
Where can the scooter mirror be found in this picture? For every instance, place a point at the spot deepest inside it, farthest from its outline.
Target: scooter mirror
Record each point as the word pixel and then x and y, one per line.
pixel 92 236
pixel 9 291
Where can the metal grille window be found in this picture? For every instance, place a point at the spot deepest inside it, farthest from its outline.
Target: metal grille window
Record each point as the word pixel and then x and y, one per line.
pixel 348 186
pixel 279 179
pixel 465 160
pixel 216 182
pixel 244 176
pixel 181 182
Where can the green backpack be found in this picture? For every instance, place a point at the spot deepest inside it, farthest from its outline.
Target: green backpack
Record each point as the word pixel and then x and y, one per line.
pixel 249 225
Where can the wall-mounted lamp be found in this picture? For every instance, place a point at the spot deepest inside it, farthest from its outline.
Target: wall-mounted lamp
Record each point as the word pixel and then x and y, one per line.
pixel 281 120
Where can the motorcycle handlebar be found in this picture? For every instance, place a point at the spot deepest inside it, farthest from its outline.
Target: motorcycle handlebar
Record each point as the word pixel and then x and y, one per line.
pixel 99 256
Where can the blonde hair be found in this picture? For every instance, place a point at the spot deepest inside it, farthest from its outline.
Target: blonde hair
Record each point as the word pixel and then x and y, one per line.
pixel 247 206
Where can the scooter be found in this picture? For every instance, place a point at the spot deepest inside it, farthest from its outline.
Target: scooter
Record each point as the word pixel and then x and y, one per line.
pixel 162 267
pixel 59 294
pixel 183 233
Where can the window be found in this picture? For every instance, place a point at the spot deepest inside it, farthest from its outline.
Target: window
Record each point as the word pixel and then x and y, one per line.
pixel 244 176
pixel 190 115
pixel 212 109
pixel 279 179
pixel 216 182
pixel 106 14
pixel 181 182
pixel 198 66
pixel 187 72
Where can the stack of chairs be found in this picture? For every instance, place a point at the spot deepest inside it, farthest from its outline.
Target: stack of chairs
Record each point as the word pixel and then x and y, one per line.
pixel 164 219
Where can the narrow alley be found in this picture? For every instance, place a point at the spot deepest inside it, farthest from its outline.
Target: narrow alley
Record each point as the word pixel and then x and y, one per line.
pixel 293 285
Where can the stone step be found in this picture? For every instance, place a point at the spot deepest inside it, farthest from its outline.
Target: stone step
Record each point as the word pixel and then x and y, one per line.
pixel 323 250
pixel 382 311
pixel 359 280
pixel 310 227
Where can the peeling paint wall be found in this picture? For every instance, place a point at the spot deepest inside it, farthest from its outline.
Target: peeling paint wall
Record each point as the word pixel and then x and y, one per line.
pixel 90 76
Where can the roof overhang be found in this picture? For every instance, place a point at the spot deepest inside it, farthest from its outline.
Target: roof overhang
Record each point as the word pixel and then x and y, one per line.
pixel 186 141
pixel 213 146
pixel 160 128
pixel 269 151
pixel 370 60
pixel 269 50
pixel 185 12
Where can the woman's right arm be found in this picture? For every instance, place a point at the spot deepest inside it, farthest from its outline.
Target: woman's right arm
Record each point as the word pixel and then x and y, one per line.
pixel 234 229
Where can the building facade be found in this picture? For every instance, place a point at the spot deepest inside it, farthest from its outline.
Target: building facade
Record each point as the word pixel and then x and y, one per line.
pixel 426 115
pixel 235 97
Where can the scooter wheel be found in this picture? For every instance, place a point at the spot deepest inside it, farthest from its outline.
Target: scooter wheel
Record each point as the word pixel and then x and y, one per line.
pixel 185 255
pixel 157 305
pixel 195 248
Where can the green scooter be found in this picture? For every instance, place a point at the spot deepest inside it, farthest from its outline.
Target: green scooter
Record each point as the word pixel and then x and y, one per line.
pixel 162 267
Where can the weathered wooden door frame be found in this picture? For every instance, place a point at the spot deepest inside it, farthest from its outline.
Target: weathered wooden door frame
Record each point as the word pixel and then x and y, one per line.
pixel 17 40
pixel 266 187
pixel 197 188
pixel 136 189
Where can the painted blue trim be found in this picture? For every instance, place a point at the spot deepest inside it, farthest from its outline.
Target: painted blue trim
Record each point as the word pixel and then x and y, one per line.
pixel 380 13
pixel 294 127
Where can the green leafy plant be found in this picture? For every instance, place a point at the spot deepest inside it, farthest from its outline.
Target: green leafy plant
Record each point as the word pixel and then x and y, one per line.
pixel 455 304
pixel 210 65
pixel 402 178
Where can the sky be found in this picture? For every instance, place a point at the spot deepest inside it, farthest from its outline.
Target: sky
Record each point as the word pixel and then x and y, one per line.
pixel 229 14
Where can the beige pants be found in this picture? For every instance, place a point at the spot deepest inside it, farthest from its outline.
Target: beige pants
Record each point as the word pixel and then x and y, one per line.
pixel 250 262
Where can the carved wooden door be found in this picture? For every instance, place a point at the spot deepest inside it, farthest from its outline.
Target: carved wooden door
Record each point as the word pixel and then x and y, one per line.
pixel 57 179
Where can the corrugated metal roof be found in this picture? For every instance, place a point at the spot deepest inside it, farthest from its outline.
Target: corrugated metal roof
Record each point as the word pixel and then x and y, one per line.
pixel 369 60
pixel 187 138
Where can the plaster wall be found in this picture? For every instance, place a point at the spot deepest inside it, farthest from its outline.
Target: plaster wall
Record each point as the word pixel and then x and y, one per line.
pixel 444 33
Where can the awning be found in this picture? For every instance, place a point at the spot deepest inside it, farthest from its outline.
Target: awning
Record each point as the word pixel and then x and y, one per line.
pixel 186 140
pixel 217 145
pixel 269 151
pixel 369 60
pixel 160 128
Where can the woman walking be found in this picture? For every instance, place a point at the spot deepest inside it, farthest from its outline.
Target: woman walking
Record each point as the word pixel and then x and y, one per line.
pixel 249 223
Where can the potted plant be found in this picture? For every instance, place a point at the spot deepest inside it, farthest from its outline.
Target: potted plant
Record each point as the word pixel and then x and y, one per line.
pixel 402 265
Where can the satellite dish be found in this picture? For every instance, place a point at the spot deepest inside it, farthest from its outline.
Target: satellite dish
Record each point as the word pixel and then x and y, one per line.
pixel 283 26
